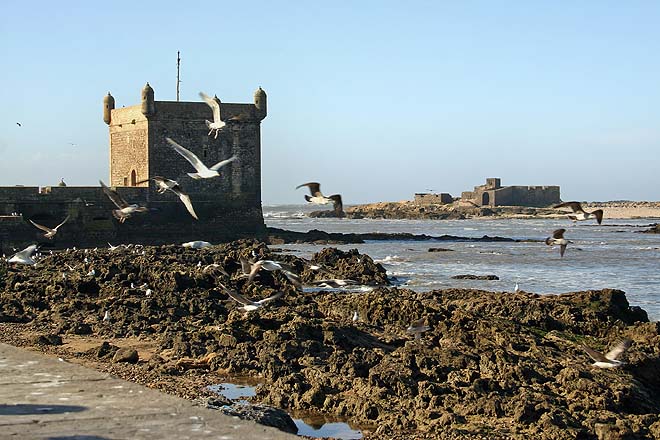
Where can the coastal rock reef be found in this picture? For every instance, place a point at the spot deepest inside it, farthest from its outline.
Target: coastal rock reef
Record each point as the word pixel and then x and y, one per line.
pixel 490 365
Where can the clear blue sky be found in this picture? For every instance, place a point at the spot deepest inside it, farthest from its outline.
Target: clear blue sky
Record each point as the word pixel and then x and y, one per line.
pixel 374 99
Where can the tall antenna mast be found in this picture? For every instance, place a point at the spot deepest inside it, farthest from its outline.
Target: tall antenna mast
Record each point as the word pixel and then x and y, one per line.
pixel 178 64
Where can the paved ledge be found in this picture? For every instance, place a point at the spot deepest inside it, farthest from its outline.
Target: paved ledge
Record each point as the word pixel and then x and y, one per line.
pixel 43 398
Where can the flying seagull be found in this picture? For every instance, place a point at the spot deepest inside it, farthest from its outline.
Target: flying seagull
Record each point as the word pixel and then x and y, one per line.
pixel 24 256
pixel 610 359
pixel 125 209
pixel 581 214
pixel 317 197
pixel 268 265
pixel 19 124
pixel 165 184
pixel 558 239
pixel 49 233
pixel 247 304
pixel 217 124
pixel 203 172
pixel 334 283
pixel 418 327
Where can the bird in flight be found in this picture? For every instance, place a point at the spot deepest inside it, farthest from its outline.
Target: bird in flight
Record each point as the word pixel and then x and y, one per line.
pixel 317 197
pixel 217 123
pixel 24 256
pixel 558 239
pixel 165 184
pixel 49 233
pixel 611 358
pixel 19 124
pixel 580 214
pixel 203 172
pixel 247 304
pixel 418 327
pixel 125 209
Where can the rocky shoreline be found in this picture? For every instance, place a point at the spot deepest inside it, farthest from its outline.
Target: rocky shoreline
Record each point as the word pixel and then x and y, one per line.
pixel 492 364
pixel 458 210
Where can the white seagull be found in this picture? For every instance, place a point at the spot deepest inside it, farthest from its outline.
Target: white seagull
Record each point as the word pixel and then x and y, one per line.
pixel 558 239
pixel 125 209
pixel 581 214
pixel 49 233
pixel 203 172
pixel 610 359
pixel 165 184
pixel 217 123
pixel 268 265
pixel 24 256
pixel 198 244
pixel 249 305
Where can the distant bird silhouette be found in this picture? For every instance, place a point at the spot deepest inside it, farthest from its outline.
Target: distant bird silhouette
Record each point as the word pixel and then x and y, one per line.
pixel 558 239
pixel 610 359
pixel 125 209
pixel 49 233
pixel 19 124
pixel 203 172
pixel 581 214
pixel 217 123
pixel 165 184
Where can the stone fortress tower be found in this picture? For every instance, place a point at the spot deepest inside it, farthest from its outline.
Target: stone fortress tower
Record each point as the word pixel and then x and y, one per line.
pixel 229 206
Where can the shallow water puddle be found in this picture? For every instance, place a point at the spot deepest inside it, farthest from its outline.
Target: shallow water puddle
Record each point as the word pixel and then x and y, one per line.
pixel 313 426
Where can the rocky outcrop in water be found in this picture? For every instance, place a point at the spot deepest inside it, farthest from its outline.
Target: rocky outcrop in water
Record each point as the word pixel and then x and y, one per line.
pixel 491 365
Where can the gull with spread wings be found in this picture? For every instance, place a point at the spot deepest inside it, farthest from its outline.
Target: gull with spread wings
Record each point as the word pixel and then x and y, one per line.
pixel 217 123
pixel 611 358
pixel 247 304
pixel 558 239
pixel 24 256
pixel 580 214
pixel 203 172
pixel 165 184
pixel 317 197
pixel 49 233
pixel 125 210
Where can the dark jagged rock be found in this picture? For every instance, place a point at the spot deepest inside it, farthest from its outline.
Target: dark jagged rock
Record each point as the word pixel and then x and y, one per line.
pixel 281 236
pixel 262 414
pixel 491 365
pixel 47 339
pixel 434 249
pixel 128 355
pixel 475 277
pixel 654 229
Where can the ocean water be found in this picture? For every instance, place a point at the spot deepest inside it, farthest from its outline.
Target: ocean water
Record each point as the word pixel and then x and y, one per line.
pixel 611 255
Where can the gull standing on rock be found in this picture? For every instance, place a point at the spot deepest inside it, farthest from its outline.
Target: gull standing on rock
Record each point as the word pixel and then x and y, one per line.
pixel 203 172
pixel 165 184
pixel 24 256
pixel 49 233
pixel 558 239
pixel 125 209
pixel 249 305
pixel 217 123
pixel 581 214
pixel 610 359
pixel 198 244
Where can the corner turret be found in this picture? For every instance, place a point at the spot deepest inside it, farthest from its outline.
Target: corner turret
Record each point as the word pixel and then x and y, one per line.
pixel 148 105
pixel 260 103
pixel 108 106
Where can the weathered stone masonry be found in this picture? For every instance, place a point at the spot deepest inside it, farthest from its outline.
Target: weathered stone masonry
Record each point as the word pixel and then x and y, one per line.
pixel 228 206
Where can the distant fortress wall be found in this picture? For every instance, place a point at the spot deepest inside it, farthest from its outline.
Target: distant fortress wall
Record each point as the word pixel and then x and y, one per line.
pixel 228 206
pixel 493 194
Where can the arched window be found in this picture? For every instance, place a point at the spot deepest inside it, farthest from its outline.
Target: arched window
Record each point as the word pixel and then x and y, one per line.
pixel 485 199
pixel 133 178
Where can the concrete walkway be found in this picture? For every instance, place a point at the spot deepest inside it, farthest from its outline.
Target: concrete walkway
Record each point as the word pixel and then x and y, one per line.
pixel 44 398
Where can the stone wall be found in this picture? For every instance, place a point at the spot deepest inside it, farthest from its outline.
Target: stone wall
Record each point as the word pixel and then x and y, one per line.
pixel 129 146
pixel 433 199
